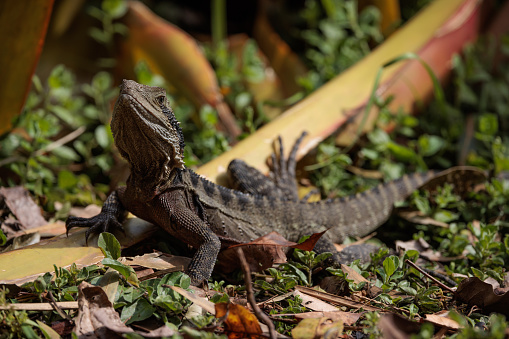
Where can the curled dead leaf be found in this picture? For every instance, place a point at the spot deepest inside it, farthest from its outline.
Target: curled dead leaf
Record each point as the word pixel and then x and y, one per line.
pixel 475 292
pixel 263 252
pixel 98 319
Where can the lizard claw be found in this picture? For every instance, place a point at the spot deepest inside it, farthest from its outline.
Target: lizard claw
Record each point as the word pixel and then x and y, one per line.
pixel 103 222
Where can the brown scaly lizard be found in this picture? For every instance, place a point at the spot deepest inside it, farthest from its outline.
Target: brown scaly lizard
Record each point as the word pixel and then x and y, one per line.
pixel 161 190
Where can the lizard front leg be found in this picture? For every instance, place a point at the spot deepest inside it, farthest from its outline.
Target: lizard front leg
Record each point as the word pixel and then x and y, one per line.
pixel 187 226
pixel 110 218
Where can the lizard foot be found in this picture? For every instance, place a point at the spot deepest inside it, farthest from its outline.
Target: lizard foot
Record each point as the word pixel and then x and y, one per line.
pixel 97 224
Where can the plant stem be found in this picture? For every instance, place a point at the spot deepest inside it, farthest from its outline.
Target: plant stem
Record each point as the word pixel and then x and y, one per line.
pixel 218 21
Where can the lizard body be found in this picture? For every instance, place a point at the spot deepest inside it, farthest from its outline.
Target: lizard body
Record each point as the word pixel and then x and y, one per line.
pixel 209 217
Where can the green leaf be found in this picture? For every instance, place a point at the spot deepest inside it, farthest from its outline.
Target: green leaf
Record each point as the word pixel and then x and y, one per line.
pixel 66 153
pixel 3 238
pixel 49 333
pixel 445 216
pixel 29 332
pixel 67 180
pixel 389 266
pixel 488 124
pixel 102 137
pixel 400 152
pixel 430 144
pixel 138 311
pixel 109 245
pixel 125 270
pixel 102 81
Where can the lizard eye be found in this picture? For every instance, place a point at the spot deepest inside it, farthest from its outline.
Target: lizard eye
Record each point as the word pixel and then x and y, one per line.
pixel 161 100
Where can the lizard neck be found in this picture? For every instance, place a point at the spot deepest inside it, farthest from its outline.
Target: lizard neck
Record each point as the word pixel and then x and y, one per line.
pixel 147 187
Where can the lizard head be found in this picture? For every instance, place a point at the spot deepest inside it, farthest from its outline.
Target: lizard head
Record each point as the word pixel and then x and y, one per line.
pixel 146 131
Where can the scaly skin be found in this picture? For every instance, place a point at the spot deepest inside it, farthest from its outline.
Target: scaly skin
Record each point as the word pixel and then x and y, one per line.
pixel 209 217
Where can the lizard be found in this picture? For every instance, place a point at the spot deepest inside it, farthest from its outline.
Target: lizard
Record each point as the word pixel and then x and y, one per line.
pixel 209 217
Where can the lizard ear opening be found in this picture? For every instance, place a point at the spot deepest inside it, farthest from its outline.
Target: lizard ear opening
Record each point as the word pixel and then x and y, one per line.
pixel 161 100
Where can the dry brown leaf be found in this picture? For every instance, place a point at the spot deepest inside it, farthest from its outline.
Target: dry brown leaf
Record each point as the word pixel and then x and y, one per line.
pixel 314 304
pixel 263 252
pixel 342 301
pixel 158 261
pixel 85 212
pixel 395 326
pixel 353 274
pixel 98 319
pixel 46 231
pixel 311 328
pixel 22 206
pixel 442 319
pixel 474 291
pixel 425 250
pixel 239 322
pixel 202 302
pixel 417 217
pixel 348 318
pixel 464 179
pixel 96 316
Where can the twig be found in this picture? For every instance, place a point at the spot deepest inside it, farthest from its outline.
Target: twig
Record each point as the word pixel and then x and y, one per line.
pixel 445 287
pixel 57 308
pixel 65 305
pixel 441 276
pixel 64 140
pixel 283 320
pixel 250 295
pixel 50 147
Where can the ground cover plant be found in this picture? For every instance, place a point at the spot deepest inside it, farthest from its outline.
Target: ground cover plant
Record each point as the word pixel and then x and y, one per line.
pixel 446 239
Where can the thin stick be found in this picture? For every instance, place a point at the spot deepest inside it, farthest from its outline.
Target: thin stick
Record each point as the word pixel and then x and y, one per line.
pixel 250 295
pixel 445 287
pixel 65 305
pixel 64 140
pixel 57 308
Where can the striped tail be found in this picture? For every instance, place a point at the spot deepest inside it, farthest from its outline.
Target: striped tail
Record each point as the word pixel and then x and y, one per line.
pixel 360 214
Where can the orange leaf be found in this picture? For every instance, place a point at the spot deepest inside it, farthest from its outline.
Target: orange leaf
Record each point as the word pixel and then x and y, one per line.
pixel 239 323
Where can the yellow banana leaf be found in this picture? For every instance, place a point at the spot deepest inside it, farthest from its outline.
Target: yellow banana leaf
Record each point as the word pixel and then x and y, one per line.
pixel 23 26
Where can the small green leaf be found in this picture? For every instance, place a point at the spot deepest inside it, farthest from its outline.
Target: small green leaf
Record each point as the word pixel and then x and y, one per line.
pixel 109 245
pixel 488 124
pixel 125 270
pixel 101 135
pixel 3 238
pixel 115 8
pixel 138 311
pixel 445 216
pixel 400 152
pixel 67 180
pixel 430 144
pixel 389 266
pixel 66 153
